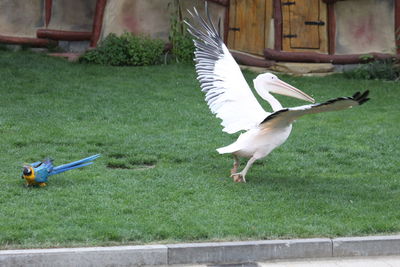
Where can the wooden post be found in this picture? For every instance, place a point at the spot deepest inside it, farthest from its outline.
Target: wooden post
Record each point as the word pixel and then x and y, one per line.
pixel 278 25
pixel 221 2
pixel 47 13
pixel 63 35
pixel 226 4
pixel 250 60
pixel 323 58
pixel 397 24
pixel 331 28
pixel 98 22
pixel 226 24
pixel 36 42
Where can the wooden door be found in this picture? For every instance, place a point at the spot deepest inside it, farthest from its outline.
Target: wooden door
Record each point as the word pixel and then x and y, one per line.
pixel 304 25
pixel 249 25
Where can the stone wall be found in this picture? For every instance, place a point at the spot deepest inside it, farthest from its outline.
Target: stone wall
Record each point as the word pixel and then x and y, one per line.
pixel 365 26
pixel 21 18
pixel 139 17
pixel 72 15
pixel 217 12
pixel 148 17
pixel 362 25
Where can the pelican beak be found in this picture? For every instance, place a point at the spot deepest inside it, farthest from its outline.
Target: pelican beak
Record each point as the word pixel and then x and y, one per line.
pixel 282 88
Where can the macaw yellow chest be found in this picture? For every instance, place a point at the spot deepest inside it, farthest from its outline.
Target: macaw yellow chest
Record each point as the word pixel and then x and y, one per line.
pixel 31 179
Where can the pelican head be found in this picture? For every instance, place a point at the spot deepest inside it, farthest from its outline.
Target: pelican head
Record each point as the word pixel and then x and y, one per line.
pixel 269 82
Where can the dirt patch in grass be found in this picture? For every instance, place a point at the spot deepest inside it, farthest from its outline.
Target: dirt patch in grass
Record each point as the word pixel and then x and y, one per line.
pixel 141 167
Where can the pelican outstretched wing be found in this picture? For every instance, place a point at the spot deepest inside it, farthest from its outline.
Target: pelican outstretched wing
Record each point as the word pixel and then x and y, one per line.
pixel 227 93
pixel 286 116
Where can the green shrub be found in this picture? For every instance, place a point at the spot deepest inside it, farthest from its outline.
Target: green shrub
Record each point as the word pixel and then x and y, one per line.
pixel 126 50
pixel 181 40
pixel 3 47
pixel 376 70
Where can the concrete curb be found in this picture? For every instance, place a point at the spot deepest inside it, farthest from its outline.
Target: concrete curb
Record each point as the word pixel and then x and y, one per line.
pixel 251 251
pixel 204 253
pixel 94 256
pixel 366 246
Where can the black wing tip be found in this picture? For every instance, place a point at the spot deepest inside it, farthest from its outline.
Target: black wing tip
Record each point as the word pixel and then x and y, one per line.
pixel 361 98
pixel 363 101
pixel 207 40
pixel 357 94
pixel 206 22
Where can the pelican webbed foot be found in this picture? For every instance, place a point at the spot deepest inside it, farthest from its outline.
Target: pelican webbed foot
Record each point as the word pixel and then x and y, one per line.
pixel 238 177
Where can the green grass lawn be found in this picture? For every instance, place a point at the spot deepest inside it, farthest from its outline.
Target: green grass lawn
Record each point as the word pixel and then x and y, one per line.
pixel 160 179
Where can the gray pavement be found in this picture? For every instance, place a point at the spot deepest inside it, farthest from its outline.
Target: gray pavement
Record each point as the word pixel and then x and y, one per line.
pixel 349 251
pixel 384 261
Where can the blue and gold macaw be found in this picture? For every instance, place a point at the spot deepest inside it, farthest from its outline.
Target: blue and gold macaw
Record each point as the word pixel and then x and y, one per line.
pixel 38 173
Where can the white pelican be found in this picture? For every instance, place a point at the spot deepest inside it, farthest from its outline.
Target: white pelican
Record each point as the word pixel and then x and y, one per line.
pixel 231 99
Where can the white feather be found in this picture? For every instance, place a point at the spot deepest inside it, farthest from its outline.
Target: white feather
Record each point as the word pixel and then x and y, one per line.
pixel 234 103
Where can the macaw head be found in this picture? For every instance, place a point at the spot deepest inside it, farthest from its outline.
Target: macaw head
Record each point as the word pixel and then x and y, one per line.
pixel 28 173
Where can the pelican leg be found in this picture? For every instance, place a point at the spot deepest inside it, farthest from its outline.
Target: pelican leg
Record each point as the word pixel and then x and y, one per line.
pixel 236 163
pixel 240 176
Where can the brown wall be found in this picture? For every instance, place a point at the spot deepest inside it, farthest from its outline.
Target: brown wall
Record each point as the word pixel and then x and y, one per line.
pixel 365 26
pixel 362 26
pixel 21 17
pixel 217 12
pixel 72 15
pixel 147 17
pixel 139 17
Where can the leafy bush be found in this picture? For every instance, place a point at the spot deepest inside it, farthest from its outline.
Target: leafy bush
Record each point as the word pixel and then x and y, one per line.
pixel 376 70
pixel 126 50
pixel 3 47
pixel 182 43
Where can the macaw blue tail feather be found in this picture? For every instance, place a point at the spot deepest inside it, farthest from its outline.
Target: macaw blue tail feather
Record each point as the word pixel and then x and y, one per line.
pixel 69 168
pixel 73 165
